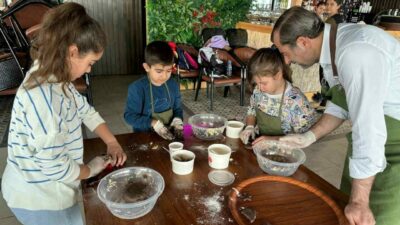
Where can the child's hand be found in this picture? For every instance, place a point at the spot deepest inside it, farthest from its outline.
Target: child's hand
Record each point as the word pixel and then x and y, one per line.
pixel 246 133
pixel 98 164
pixel 118 155
pixel 177 125
pixel 161 130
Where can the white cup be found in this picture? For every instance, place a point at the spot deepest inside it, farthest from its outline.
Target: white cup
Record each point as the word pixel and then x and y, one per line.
pixel 182 162
pixel 174 146
pixel 218 156
pixel 233 129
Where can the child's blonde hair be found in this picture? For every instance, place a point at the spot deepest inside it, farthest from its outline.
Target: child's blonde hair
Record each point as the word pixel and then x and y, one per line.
pixel 63 26
pixel 268 62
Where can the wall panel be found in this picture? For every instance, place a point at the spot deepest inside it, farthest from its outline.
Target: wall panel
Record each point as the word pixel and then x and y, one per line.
pixel 123 22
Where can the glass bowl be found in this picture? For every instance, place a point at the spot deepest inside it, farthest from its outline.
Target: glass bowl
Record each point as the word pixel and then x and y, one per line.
pixel 131 192
pixel 278 160
pixel 208 126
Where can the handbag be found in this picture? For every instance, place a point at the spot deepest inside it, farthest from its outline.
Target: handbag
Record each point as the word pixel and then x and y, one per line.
pixel 10 75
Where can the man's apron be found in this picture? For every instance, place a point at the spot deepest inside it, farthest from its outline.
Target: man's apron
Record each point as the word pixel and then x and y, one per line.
pixel 270 125
pixel 166 116
pixel 385 193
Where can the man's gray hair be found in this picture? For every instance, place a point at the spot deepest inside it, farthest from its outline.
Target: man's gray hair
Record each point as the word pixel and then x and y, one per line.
pixel 296 22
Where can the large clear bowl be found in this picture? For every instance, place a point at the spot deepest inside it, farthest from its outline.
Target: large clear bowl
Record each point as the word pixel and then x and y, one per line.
pixel 208 126
pixel 131 192
pixel 276 159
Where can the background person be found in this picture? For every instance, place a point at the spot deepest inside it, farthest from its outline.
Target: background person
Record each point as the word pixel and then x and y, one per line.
pixel 333 11
pixel 363 71
pixel 45 146
pixel 320 9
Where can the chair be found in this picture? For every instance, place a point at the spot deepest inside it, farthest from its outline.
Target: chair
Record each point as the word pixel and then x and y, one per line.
pixel 207 33
pixel 237 77
pixel 191 74
pixel 26 15
pixel 12 72
pixel 236 37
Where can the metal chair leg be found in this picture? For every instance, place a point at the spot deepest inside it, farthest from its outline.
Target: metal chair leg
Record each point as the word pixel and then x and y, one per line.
pixel 198 87
pixel 208 90
pixel 242 83
pixel 212 95
pixel 226 91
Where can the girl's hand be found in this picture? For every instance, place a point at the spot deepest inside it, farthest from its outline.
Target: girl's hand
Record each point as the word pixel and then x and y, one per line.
pixel 118 155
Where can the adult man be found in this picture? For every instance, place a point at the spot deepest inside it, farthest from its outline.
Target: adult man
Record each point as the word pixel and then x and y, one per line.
pixel 363 71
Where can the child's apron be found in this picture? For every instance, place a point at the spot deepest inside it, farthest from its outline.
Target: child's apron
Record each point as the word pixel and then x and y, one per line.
pixel 270 125
pixel 166 116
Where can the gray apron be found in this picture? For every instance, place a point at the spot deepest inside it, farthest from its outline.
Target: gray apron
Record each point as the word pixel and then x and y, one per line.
pixel 385 193
pixel 166 116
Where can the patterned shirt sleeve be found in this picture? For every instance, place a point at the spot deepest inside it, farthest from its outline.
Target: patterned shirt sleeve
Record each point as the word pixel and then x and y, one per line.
pixel 301 115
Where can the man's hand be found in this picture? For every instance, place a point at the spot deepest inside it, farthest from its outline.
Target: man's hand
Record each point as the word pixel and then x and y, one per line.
pixel 359 214
pixel 298 140
pixel 161 130
pixel 358 211
pixel 98 164
pixel 269 143
pixel 248 132
pixel 177 125
pixel 118 155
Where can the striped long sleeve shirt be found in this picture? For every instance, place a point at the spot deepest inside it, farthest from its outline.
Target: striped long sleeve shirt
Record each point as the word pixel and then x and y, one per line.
pixel 45 147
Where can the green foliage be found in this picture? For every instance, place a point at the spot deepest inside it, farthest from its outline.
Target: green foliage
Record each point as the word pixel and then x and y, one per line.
pixel 182 20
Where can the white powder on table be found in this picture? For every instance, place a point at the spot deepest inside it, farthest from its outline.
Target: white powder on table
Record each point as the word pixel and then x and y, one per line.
pixel 213 206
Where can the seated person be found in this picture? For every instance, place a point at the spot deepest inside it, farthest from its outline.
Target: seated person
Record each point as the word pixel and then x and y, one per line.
pixel 332 9
pixel 154 101
pixel 276 106
pixel 320 9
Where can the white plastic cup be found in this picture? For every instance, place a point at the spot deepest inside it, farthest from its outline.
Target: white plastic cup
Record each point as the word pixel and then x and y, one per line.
pixel 218 156
pixel 182 162
pixel 233 129
pixel 174 146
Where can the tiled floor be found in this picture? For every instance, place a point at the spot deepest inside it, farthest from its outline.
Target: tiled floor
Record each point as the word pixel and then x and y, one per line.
pixel 325 157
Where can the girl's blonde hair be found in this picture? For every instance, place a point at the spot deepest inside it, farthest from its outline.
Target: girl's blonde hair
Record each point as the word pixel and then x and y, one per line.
pixel 63 26
pixel 268 62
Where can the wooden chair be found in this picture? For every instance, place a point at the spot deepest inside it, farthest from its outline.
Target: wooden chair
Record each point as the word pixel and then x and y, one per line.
pixel 207 33
pixel 191 74
pixel 25 17
pixel 237 78
pixel 236 37
pixel 12 64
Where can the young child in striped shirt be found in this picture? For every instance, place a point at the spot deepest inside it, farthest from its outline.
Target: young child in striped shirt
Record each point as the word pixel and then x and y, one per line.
pixel 45 146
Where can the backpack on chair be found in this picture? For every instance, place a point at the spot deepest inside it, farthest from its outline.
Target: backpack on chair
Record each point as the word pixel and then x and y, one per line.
pixel 185 60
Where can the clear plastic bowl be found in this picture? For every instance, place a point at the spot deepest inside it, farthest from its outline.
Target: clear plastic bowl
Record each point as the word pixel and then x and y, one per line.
pixel 208 126
pixel 278 160
pixel 131 192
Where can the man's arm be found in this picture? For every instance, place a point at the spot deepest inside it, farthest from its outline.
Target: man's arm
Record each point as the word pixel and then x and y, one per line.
pixel 325 125
pixel 358 211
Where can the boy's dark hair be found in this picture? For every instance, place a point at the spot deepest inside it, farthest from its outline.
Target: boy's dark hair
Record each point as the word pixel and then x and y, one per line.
pixel 158 52
pixel 321 3
pixel 268 62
